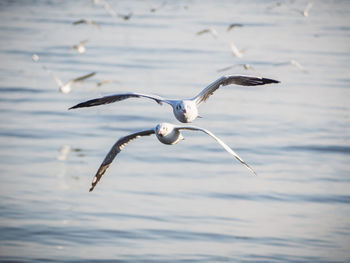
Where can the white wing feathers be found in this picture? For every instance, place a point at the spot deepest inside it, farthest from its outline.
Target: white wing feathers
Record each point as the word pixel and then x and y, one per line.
pixel 224 145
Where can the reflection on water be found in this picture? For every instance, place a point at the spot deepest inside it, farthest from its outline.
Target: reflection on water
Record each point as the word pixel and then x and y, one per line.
pixel 188 202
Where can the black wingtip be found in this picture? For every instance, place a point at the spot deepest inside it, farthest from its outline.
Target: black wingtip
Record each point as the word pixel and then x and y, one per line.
pixel 83 104
pixel 73 107
pixel 268 81
pixel 91 188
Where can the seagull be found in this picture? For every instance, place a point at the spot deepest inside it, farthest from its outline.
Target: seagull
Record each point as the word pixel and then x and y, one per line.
pixel 35 58
pixel 102 82
pixel 154 9
pixel 126 17
pixel 307 9
pixel 106 6
pixel 238 53
pixel 231 26
pixel 88 22
pixel 166 133
pixel 298 65
pixel 80 47
pixel 212 31
pixel 64 151
pixel 245 66
pixel 294 63
pixel 67 87
pixel 184 110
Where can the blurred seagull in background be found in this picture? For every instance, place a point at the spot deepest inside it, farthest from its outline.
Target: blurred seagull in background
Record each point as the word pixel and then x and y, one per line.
pixel 298 65
pixel 166 133
pixel 64 152
pixel 126 17
pixel 106 6
pixel 294 63
pixel 212 31
pixel 245 66
pixel 238 53
pixel 65 88
pixel 87 22
pixel 154 9
pixel 184 110
pixel 35 57
pixel 80 48
pixel 231 26
pixel 304 12
pixel 307 9
pixel 102 82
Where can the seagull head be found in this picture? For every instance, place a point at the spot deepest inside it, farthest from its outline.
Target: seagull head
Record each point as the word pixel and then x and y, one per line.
pixel 186 111
pixel 163 129
pixel 180 107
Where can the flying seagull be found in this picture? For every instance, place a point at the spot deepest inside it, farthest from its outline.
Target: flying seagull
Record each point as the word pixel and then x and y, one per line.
pixel 231 26
pixel 245 66
pixel 294 63
pixel 126 16
pixel 212 31
pixel 306 10
pixel 106 6
pixel 237 52
pixel 102 82
pixel 80 48
pixel 184 110
pixel 67 87
pixel 166 133
pixel 154 9
pixel 85 21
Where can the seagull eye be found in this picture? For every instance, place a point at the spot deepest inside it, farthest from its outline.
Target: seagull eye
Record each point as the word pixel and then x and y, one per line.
pixel 178 107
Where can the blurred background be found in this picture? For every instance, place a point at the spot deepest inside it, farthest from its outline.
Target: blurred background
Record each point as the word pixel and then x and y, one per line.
pixel 190 202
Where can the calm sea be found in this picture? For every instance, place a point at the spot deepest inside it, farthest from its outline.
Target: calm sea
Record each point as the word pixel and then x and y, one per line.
pixel 191 202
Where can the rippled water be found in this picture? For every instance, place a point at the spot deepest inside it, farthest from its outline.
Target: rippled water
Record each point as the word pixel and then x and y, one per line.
pixel 189 202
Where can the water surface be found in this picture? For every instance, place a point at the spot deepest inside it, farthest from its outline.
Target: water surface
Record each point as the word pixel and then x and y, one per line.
pixel 190 202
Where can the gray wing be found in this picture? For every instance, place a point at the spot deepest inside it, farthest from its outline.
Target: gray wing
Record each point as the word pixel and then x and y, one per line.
pixel 224 145
pixel 117 147
pixel 233 25
pixel 117 97
pixel 81 21
pixel 84 77
pixel 228 80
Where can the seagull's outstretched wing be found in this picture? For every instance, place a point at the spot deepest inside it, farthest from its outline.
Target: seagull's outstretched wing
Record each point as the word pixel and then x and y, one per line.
pixel 233 25
pixel 118 97
pixel 71 82
pixel 224 145
pixel 209 30
pixel 81 21
pixel 83 77
pixel 117 147
pixel 228 80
